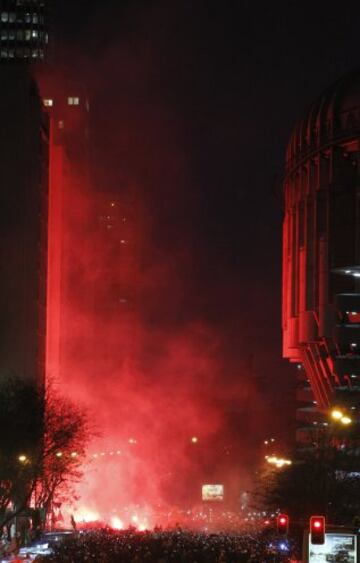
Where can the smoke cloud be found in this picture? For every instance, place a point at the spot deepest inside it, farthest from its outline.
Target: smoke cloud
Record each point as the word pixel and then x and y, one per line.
pixel 159 310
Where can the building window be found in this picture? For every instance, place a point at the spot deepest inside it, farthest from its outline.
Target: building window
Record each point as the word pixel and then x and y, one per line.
pixel 73 101
pixel 12 17
pixel 35 18
pixel 61 124
pixel 28 18
pixel 27 34
pixel 4 35
pixel 48 102
pixel 19 35
pixel 4 16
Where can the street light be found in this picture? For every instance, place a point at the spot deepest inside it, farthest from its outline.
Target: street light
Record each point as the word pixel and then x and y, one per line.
pixel 279 462
pixel 336 414
pixel 339 416
pixel 346 420
pixel 22 458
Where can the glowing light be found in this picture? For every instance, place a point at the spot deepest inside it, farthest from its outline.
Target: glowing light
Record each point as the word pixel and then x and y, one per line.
pixel 73 454
pixel 22 458
pixel 59 454
pixel 279 462
pixel 194 440
pixel 85 515
pixel 336 414
pixel 317 524
pixel 135 518
pixel 346 420
pixel 132 441
pixel 116 523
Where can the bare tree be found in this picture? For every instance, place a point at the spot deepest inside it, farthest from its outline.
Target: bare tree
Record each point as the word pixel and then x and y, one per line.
pixel 43 442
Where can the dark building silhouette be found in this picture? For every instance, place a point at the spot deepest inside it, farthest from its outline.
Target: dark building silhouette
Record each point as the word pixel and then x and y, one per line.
pixel 23 29
pixel 321 252
pixel 24 138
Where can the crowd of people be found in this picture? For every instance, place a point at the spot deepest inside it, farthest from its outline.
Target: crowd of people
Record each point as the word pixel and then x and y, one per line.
pixel 177 546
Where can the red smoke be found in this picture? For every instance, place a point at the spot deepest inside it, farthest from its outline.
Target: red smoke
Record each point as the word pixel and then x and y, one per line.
pixel 130 335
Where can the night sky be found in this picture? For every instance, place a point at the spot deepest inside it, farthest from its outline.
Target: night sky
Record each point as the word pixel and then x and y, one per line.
pixel 202 97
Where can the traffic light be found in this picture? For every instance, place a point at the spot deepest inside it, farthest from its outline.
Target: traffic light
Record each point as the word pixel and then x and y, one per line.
pixel 317 530
pixel 282 524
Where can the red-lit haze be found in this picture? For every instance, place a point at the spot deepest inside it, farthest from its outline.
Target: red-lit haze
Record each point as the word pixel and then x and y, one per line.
pixel 135 333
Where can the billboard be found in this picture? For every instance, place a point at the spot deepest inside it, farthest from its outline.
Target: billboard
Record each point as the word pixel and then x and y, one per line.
pixel 213 493
pixel 338 548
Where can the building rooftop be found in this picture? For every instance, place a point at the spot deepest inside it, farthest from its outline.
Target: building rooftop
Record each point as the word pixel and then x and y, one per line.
pixel 334 116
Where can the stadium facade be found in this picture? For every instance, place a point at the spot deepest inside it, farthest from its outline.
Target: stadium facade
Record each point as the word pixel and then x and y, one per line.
pixel 321 252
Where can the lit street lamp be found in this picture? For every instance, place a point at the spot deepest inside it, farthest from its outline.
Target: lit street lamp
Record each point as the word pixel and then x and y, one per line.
pixel 278 462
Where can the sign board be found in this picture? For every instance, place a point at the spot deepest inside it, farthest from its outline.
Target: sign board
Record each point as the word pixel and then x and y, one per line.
pixel 338 548
pixel 213 493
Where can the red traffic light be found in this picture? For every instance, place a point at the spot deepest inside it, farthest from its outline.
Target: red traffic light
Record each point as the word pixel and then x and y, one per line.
pixel 282 523
pixel 317 530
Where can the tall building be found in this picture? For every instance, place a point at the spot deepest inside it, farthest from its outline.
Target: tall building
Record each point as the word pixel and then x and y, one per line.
pixel 23 29
pixel 321 252
pixel 24 149
pixel 66 103
pixel 24 138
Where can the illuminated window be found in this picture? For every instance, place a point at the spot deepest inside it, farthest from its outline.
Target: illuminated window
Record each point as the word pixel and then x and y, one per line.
pixel 27 34
pixel 73 101
pixel 28 18
pixel 4 35
pixel 4 16
pixel 48 102
pixel 61 124
pixel 35 33
pixel 35 18
pixel 12 17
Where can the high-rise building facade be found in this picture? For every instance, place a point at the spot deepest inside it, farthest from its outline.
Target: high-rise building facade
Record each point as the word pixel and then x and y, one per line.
pixel 23 29
pixel 321 249
pixel 24 139
pixel 24 156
